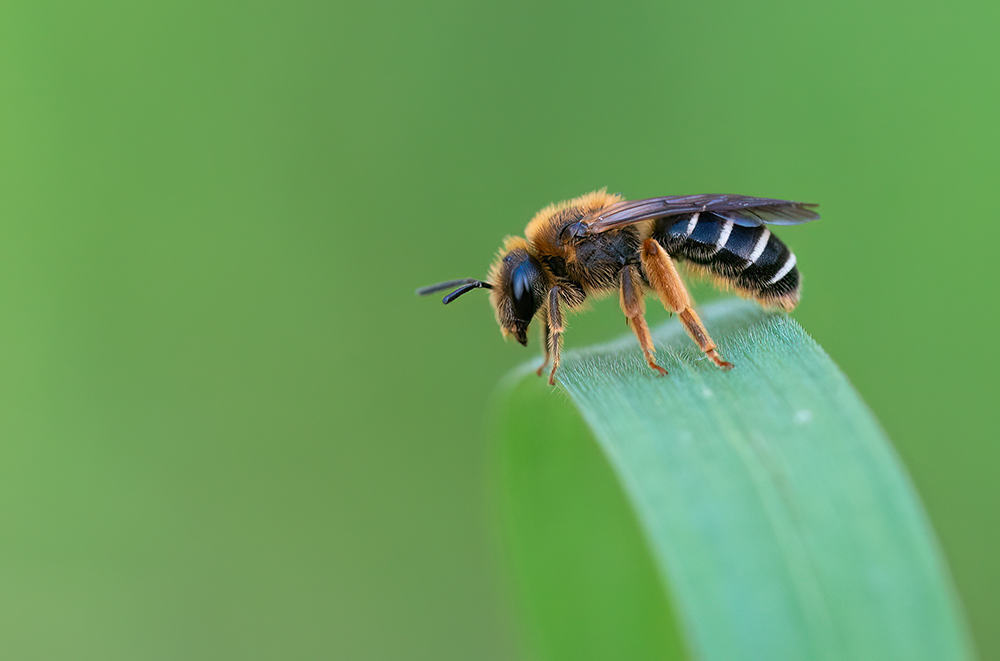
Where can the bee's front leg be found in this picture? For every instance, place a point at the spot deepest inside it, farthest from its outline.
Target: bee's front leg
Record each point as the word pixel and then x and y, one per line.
pixel 545 346
pixel 554 330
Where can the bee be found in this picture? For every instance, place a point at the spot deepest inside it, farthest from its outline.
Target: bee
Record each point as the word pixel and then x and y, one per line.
pixel 599 243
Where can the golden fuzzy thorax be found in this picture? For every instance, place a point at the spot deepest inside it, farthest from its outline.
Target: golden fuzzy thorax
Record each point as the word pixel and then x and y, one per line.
pixel 589 203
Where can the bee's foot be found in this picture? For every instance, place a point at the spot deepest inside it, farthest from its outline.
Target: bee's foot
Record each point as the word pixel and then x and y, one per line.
pixel 714 355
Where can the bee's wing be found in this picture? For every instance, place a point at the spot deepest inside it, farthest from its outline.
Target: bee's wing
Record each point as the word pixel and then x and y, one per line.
pixel 740 209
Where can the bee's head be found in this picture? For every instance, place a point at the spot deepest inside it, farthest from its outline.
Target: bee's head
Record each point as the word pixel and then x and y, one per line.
pixel 519 289
pixel 517 282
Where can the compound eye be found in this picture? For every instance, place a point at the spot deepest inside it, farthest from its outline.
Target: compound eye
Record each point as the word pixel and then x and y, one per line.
pixel 521 292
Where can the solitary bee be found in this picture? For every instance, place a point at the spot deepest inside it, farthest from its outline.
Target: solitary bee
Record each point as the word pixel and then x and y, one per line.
pixel 598 243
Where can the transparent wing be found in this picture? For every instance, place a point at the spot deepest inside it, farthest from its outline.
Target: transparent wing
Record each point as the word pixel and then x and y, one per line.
pixel 741 209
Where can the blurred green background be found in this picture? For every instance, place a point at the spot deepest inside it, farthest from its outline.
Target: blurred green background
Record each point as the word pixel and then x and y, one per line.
pixel 227 427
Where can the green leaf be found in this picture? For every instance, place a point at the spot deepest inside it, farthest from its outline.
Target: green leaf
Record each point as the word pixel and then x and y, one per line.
pixel 759 513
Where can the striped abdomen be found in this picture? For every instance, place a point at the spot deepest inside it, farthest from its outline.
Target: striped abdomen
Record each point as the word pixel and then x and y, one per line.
pixel 750 259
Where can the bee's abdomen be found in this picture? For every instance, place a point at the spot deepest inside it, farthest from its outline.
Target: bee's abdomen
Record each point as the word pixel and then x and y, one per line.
pixel 750 259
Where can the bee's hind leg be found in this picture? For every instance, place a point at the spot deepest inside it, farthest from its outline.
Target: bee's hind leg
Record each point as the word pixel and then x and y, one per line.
pixel 635 311
pixel 667 284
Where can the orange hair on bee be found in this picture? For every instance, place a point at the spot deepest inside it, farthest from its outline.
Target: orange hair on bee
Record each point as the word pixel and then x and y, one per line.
pixel 580 206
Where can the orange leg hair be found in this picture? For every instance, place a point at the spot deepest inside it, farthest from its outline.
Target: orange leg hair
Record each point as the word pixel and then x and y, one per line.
pixel 555 330
pixel 635 310
pixel 667 284
pixel 545 346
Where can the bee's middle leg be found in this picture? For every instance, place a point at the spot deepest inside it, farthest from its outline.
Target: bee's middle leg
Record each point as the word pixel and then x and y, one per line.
pixel 664 279
pixel 635 311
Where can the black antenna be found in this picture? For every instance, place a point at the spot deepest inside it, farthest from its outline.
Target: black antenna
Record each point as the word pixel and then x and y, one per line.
pixel 464 285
